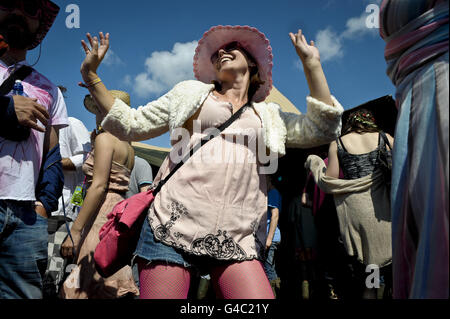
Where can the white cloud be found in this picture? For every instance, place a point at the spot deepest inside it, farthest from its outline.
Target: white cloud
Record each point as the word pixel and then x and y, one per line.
pixel 126 81
pixel 164 69
pixel 330 43
pixel 111 59
pixel 357 27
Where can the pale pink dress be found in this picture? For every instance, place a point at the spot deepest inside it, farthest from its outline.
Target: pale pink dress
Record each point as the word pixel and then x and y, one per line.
pixel 215 206
pixel 84 282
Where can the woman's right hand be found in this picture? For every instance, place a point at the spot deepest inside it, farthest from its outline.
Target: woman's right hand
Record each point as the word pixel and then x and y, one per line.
pixel 94 55
pixel 69 248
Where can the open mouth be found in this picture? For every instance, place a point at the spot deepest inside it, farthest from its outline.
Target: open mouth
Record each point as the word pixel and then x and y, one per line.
pixel 225 59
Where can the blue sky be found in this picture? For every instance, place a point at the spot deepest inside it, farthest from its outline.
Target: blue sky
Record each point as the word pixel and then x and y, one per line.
pixel 153 42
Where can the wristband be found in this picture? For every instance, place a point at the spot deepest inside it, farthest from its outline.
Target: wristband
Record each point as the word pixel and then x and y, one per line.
pixel 94 82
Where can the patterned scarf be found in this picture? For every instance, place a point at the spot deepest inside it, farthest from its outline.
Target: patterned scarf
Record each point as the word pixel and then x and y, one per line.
pixel 415 31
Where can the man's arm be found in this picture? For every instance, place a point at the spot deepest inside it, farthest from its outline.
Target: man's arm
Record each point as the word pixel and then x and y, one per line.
pixel 273 226
pixel 144 187
pixel 144 174
pixel 50 184
pixel 67 165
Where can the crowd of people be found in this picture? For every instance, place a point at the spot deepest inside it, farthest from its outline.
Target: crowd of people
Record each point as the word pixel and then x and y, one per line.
pixel 216 223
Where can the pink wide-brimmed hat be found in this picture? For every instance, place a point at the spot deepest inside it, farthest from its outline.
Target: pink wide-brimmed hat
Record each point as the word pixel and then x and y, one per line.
pixel 49 12
pixel 252 40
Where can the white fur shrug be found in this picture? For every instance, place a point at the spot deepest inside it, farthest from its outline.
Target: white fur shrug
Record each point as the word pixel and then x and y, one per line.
pixel 320 125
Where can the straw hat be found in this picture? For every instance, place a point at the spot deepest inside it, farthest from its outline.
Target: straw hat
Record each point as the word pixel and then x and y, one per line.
pixel 252 40
pixel 49 12
pixel 91 106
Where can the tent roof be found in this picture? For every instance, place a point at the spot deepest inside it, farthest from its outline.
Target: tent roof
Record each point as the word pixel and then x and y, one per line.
pixel 276 96
pixel 153 154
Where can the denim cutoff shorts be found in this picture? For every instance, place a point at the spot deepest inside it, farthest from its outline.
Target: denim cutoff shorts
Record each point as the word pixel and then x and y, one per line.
pixel 152 250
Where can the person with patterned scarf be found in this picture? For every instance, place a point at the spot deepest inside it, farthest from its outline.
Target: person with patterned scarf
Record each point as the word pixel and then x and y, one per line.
pixel 416 35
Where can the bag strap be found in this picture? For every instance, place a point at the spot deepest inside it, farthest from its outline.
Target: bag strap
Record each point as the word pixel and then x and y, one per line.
pixel 386 140
pixel 19 74
pixel 199 145
pixel 339 142
pixel 65 218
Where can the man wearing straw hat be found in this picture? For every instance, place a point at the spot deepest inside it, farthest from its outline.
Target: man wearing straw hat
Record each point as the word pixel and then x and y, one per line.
pixel 23 211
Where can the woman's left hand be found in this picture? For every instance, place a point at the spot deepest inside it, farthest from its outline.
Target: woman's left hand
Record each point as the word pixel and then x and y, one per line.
pixel 308 53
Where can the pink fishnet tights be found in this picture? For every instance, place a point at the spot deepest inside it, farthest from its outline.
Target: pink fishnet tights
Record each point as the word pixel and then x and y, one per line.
pixel 245 280
pixel 163 281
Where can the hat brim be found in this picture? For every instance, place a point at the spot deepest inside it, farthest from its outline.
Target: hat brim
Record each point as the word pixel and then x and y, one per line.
pixel 49 12
pixel 254 42
pixel 91 106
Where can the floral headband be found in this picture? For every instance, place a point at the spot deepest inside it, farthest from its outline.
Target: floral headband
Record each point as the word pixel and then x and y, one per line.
pixel 365 118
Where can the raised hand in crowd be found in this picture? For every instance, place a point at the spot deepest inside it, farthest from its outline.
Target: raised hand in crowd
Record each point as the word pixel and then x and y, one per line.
pixel 308 53
pixel 310 57
pixel 94 55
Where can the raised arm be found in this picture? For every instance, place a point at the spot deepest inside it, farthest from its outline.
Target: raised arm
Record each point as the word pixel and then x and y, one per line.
pixel 94 57
pixel 126 123
pixel 310 57
pixel 322 122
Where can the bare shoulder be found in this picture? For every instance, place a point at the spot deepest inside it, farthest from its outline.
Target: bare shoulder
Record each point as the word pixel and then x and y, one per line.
pixel 357 136
pixel 104 138
pixel 348 136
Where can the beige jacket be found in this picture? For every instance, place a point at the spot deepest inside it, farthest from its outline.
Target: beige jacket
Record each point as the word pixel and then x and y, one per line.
pixel 320 125
pixel 364 213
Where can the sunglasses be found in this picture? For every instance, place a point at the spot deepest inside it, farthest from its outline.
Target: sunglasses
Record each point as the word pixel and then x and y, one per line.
pixel 228 48
pixel 31 8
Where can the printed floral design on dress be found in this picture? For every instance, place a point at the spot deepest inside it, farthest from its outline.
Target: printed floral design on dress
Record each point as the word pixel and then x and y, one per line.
pixel 162 232
pixel 177 235
pixel 213 246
